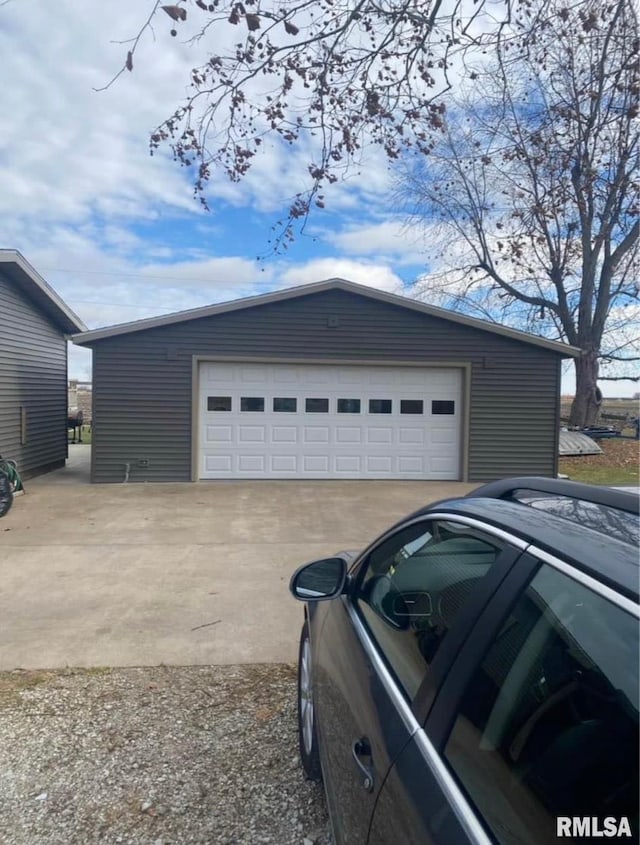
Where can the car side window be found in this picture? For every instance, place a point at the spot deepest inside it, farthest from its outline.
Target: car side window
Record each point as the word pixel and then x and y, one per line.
pixel 548 726
pixel 414 585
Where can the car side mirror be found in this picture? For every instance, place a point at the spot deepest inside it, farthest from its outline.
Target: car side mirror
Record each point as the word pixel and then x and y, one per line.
pixel 319 580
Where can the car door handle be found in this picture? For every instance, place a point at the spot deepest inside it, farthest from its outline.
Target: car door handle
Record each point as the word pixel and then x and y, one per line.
pixel 362 750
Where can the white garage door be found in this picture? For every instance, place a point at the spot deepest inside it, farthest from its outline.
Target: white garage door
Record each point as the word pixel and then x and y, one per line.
pixel 329 421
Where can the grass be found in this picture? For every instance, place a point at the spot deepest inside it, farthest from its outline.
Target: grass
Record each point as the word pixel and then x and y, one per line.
pixel 618 464
pixel 601 475
pixel 86 435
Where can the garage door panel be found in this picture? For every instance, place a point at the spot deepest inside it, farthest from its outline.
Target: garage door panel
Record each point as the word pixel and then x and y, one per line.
pixel 285 375
pixel 379 464
pixel 315 434
pixel 254 375
pixel 218 463
pixel 251 434
pixel 443 435
pixel 411 464
pixel 411 435
pixel 348 463
pixel 315 463
pixel 218 374
pixel 349 376
pixel 349 434
pixel 316 376
pixel 284 434
pixel 342 434
pixel 440 465
pixel 219 434
pixel 283 464
pixel 251 463
pixel 379 435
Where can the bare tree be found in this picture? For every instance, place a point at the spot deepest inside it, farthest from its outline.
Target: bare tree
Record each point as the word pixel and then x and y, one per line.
pixel 529 192
pixel 532 173
pixel 331 77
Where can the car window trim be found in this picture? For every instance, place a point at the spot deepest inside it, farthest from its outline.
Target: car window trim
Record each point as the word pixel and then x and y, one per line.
pixel 586 580
pixel 491 530
pixel 388 681
pixel 457 800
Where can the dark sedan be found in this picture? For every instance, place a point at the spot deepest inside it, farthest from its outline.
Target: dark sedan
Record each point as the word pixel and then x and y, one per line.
pixel 472 676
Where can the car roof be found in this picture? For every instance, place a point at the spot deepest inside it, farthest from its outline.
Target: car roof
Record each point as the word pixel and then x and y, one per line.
pixel 608 559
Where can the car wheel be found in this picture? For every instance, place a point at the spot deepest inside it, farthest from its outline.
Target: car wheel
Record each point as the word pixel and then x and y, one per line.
pixel 309 753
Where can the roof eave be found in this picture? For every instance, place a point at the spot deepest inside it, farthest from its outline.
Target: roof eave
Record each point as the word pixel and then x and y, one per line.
pixel 44 296
pixel 86 338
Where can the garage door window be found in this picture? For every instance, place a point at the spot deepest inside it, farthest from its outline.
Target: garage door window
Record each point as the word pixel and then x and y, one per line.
pixel 316 406
pixel 548 726
pixel 380 406
pixel 415 585
pixel 348 406
pixel 285 404
pixel 218 403
pixel 252 403
pixel 442 406
pixel 411 406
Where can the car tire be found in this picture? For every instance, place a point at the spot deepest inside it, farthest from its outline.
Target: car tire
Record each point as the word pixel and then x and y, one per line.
pixel 307 733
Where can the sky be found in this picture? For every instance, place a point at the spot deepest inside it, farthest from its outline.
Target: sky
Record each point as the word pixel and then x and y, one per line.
pixel 117 232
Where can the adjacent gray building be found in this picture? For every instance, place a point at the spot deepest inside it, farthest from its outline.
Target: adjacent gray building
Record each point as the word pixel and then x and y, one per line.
pixel 329 380
pixel 34 326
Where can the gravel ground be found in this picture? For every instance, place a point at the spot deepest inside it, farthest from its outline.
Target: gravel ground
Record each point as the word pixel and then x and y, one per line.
pixel 154 756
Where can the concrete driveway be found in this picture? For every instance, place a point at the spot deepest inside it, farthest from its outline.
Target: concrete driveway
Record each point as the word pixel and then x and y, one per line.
pixel 181 574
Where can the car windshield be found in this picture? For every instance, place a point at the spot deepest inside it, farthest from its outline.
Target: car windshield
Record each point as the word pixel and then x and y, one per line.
pixel 602 518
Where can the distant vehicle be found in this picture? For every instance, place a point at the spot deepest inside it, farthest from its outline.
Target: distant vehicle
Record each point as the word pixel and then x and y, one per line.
pixel 472 676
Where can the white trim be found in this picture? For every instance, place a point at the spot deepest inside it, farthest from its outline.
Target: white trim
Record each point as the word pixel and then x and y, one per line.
pixel 320 287
pixel 482 526
pixel 586 580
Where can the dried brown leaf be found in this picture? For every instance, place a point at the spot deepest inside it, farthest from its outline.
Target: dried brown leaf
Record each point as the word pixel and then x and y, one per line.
pixel 176 13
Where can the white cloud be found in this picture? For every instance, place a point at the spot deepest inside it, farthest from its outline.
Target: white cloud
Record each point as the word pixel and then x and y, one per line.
pixel 390 238
pixel 374 275
pixel 67 149
pixel 77 177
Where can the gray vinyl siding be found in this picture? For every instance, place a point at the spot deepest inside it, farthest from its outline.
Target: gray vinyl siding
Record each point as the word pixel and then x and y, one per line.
pixel 142 389
pixel 33 375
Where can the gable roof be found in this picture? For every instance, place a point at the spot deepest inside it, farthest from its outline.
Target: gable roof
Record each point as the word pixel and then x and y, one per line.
pixel 89 337
pixel 16 267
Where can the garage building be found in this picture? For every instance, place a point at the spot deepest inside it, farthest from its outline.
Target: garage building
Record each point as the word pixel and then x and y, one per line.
pixel 329 380
pixel 34 325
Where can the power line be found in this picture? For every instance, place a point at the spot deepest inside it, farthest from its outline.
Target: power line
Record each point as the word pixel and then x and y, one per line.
pixel 140 276
pixel 105 304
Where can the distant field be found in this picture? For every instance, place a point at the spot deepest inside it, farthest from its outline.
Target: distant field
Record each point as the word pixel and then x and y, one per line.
pixel 615 406
pixel 612 413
